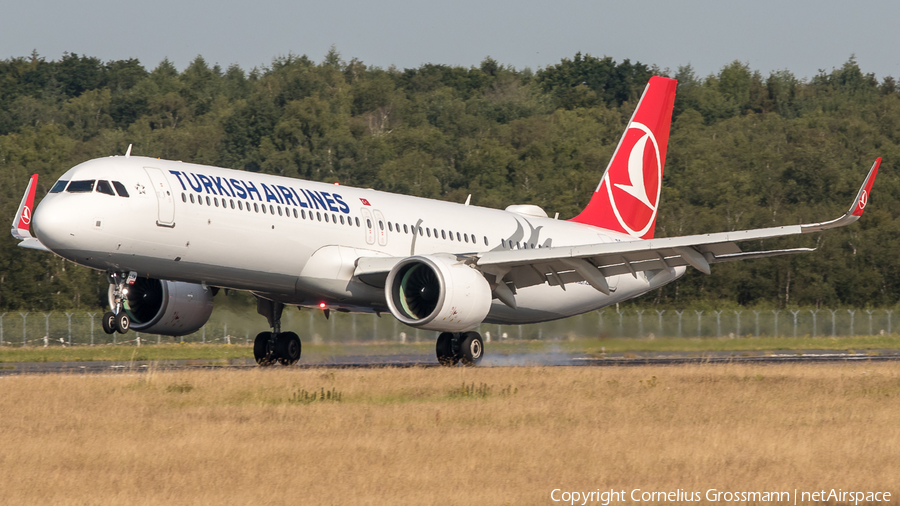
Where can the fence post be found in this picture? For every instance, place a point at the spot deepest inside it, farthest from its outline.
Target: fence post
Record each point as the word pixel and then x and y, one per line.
pixel 776 320
pixel 353 327
pixel 737 331
pixel 46 327
pixel 375 327
pixel 886 311
pixel 621 330
pixel 24 327
pixel 699 328
pixel 600 321
pixel 756 313
pixel 814 320
pixel 718 322
pixel 679 313
pixel 69 317
pixel 1 328
pixel 795 320
pixel 520 332
pixel 660 313
pixel 852 314
pixel 870 320
pixel 833 324
pixel 202 334
pixel 640 322
pixel 92 327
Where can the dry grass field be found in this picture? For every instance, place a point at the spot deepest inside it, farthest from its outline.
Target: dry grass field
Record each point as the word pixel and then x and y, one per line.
pixel 419 436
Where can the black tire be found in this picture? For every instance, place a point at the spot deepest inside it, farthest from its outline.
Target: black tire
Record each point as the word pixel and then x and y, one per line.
pixel 288 348
pixel 108 322
pixel 261 352
pixel 471 350
pixel 444 350
pixel 123 323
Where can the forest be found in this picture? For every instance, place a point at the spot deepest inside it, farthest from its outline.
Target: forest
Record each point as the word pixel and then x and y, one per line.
pixel 746 150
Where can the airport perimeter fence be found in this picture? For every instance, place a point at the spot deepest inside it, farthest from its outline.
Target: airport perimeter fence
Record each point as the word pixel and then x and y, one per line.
pixel 80 328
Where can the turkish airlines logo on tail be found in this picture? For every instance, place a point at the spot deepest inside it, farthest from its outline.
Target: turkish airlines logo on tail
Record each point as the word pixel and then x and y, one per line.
pixel 863 200
pixel 633 185
pixel 26 216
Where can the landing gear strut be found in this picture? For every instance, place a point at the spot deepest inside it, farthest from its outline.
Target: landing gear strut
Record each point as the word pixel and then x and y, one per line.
pixel 275 347
pixel 466 348
pixel 117 320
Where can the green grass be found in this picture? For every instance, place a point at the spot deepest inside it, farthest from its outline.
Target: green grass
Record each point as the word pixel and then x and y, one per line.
pixel 218 353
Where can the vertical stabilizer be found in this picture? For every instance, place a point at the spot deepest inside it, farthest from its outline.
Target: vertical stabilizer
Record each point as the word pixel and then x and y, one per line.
pixel 627 198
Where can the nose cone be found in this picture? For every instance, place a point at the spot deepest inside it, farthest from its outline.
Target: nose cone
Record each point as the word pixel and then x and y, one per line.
pixel 51 224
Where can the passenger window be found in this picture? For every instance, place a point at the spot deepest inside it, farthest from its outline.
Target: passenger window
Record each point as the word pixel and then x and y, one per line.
pixel 485 241
pixel 368 223
pixel 216 201
pixel 192 198
pixel 435 233
pixel 390 227
pixel 264 208
pixel 183 197
pixel 240 206
pixel 256 207
pixel 357 221
pixel 303 213
pixel 342 219
pixel 295 213
pixel 466 236
pixel 59 186
pixel 428 231
pixel 381 225
pixel 271 209
pixel 457 237
pixel 81 186
pixel 451 235
pixel 208 202
pixel 279 211
pixel 232 203
pixel 120 189
pixel 444 234
pixel 319 215
pixel 405 229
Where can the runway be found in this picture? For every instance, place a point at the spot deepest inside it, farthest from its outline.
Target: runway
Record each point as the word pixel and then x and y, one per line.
pixel 512 360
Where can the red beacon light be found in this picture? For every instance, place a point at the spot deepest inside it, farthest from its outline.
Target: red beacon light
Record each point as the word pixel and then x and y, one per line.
pixel 322 305
pixel 336 183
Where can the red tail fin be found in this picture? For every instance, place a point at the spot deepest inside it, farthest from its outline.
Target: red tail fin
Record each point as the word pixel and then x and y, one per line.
pixel 21 223
pixel 628 195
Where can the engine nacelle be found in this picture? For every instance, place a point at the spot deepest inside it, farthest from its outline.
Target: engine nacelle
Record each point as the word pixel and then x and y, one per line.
pixel 437 293
pixel 170 308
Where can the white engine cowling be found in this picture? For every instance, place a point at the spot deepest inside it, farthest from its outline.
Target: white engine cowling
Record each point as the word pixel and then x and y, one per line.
pixel 437 293
pixel 170 308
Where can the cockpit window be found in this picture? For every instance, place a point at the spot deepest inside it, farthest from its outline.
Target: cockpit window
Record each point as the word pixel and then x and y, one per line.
pixel 104 187
pixel 59 186
pixel 120 188
pixel 81 186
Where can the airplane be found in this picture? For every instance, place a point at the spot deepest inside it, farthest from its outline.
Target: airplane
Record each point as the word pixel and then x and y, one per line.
pixel 169 234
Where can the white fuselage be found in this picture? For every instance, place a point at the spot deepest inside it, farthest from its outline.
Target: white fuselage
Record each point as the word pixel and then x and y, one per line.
pixel 238 230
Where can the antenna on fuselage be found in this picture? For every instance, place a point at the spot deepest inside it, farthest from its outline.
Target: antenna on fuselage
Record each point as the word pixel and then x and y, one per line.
pixel 128 153
pixel 468 199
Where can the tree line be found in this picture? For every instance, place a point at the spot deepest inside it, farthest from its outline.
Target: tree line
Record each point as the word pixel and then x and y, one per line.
pixel 746 150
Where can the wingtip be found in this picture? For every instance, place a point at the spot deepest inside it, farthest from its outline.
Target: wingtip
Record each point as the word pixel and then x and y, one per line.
pixel 862 197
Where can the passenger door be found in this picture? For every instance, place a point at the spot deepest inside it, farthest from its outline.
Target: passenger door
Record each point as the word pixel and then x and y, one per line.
pixel 164 197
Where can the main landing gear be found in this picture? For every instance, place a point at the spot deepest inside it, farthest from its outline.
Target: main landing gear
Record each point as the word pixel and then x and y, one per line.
pixel 274 347
pixel 466 348
pixel 117 320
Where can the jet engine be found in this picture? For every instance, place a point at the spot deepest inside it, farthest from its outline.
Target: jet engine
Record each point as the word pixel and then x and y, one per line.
pixel 437 293
pixel 170 308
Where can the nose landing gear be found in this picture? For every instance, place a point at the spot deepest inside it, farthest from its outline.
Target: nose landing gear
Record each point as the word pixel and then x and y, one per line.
pixel 466 348
pixel 117 320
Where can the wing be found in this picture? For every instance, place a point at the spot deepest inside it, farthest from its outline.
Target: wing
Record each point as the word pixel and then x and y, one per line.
pixel 595 262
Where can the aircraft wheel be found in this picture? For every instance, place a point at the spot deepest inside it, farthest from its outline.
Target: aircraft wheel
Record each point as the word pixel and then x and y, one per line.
pixel 444 350
pixel 261 352
pixel 287 348
pixel 123 323
pixel 471 350
pixel 108 322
